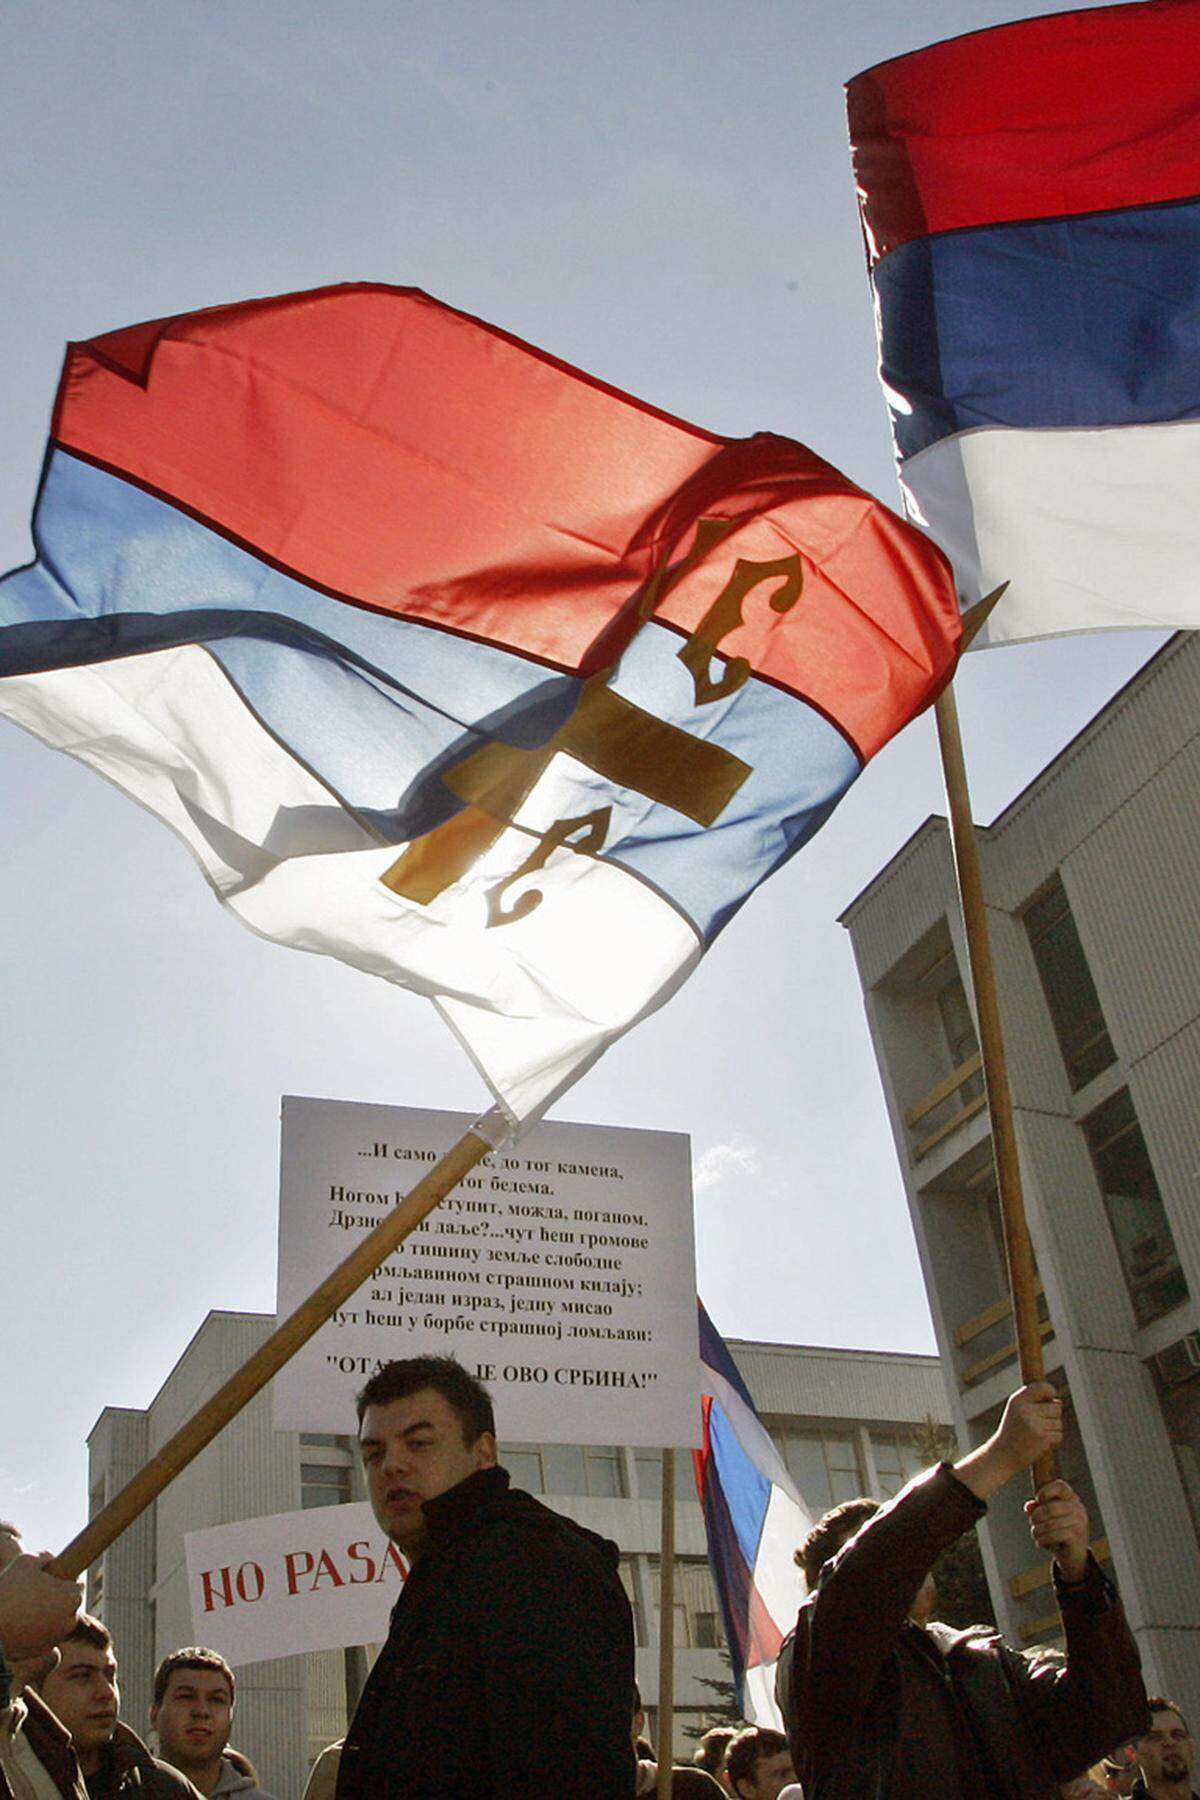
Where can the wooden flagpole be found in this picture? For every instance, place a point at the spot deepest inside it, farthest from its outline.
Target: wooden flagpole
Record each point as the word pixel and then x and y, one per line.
pixel 1022 1279
pixel 665 1745
pixel 198 1431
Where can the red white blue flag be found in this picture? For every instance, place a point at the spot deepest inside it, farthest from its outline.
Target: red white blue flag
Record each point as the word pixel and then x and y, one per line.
pixel 755 1520
pixel 1030 198
pixel 449 661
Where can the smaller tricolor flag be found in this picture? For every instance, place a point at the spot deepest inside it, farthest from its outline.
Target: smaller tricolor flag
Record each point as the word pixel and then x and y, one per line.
pixel 1030 198
pixel 755 1519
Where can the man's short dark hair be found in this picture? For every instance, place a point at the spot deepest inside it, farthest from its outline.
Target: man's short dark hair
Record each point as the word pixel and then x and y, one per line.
pixel 85 1630
pixel 828 1535
pixel 89 1631
pixel 192 1656
pixel 1157 1703
pixel 709 1753
pixel 747 1749
pixel 466 1397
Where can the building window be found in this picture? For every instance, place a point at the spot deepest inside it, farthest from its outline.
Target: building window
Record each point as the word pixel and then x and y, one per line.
pixel 696 1613
pixel 1135 1210
pixel 95 1575
pixel 938 999
pixel 897 1459
pixel 1177 1381
pixel 592 1470
pixel 324 1484
pixel 1068 986
pixel 649 1474
pixel 824 1466
pixel 625 1569
pixel 957 1023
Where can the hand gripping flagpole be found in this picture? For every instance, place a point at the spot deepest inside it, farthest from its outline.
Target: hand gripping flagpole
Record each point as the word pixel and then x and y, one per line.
pixel 487 1133
pixel 1022 1280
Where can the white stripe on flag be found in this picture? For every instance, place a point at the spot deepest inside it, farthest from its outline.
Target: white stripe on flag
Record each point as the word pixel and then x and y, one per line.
pixel 759 1697
pixel 1093 530
pixel 751 1433
pixel 534 1001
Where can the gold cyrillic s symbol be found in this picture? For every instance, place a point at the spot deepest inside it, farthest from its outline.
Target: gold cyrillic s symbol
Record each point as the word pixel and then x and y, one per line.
pixel 725 615
pixel 611 736
pixel 594 828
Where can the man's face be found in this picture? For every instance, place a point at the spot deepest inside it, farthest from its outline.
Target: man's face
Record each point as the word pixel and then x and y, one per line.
pixel 82 1691
pixel 193 1718
pixel 771 1776
pixel 1166 1751
pixel 413 1450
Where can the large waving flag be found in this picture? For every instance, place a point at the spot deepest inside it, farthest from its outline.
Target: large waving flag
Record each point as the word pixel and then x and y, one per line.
pixel 1030 197
pixel 449 661
pixel 755 1519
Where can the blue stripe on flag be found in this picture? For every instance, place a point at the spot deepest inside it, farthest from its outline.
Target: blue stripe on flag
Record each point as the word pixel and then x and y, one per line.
pixel 364 700
pixel 732 1576
pixel 1084 322
pixel 714 1354
pixel 747 1492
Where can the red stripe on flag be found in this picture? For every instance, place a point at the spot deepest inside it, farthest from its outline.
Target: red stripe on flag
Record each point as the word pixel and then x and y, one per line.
pixel 1077 112
pixel 405 457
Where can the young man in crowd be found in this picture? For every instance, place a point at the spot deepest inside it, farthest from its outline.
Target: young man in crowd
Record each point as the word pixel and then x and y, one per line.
pixel 1165 1754
pixel 710 1754
pixel 879 1700
pixel 81 1690
pixel 759 1764
pixel 194 1697
pixel 509 1662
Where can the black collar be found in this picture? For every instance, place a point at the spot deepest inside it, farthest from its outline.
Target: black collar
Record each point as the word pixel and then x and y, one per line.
pixel 460 1507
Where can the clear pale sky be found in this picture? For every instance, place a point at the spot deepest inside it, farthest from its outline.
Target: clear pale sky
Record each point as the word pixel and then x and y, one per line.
pixel 660 193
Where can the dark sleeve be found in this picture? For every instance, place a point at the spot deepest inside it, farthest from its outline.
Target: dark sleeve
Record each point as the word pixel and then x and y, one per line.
pixel 1081 1708
pixel 849 1627
pixel 556 1646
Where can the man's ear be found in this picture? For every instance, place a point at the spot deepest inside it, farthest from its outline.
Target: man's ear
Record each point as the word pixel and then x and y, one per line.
pixel 485 1451
pixel 153 1713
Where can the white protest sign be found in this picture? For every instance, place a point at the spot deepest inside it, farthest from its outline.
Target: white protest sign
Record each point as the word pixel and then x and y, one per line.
pixel 321 1579
pixel 562 1272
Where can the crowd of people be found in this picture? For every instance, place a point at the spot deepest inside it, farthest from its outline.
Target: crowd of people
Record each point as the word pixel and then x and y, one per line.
pixel 508 1666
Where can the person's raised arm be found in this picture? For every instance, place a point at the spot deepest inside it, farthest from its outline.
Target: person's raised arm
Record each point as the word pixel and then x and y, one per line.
pixel 847 1631
pixel 1080 1708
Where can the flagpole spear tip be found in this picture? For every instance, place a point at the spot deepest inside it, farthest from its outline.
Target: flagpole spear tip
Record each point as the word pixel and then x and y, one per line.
pixel 976 617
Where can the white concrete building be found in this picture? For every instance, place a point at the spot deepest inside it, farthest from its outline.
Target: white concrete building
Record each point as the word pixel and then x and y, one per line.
pixel 843 1418
pixel 1092 877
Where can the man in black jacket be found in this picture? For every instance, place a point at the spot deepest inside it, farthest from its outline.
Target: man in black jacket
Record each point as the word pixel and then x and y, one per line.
pixel 880 1701
pixel 509 1663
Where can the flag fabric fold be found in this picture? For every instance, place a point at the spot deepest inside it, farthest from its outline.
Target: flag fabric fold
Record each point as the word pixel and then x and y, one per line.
pixel 455 663
pixel 754 1519
pixel 1030 198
